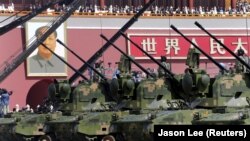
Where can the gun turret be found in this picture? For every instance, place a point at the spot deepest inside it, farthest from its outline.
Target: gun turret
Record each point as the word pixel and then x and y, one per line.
pixel 59 91
pixel 218 88
pixel 196 82
pixel 172 81
pixel 236 93
pixel 124 86
pixel 156 97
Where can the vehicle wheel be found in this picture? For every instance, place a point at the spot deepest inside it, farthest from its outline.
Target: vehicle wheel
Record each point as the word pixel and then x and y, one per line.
pixel 45 138
pixel 108 138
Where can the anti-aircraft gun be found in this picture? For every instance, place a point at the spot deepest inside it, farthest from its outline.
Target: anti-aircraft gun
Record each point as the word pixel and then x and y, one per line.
pixel 239 81
pixel 230 93
pixel 195 80
pixel 220 95
pixel 123 86
pixel 78 105
pixel 160 95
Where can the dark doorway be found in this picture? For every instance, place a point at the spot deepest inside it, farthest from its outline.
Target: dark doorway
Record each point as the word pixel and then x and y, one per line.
pixel 38 92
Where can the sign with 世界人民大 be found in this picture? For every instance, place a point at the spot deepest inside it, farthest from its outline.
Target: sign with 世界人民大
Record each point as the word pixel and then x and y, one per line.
pixel 176 46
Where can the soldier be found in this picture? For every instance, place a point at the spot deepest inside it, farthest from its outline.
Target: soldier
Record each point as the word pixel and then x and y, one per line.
pixel 161 71
pixel 193 58
pixel 221 71
pixel 239 67
pixel 99 67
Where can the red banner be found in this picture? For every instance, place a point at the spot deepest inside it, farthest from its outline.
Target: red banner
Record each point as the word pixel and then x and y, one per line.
pixel 176 47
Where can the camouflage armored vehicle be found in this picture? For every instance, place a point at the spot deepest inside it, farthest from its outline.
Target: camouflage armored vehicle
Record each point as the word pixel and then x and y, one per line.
pixel 230 94
pixel 227 97
pixel 85 103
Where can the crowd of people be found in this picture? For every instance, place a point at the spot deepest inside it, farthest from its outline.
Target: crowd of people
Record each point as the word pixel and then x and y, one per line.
pixel 242 8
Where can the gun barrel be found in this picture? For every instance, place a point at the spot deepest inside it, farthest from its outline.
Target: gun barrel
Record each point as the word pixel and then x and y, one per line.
pixel 64 61
pixel 70 50
pixel 218 41
pixel 138 65
pixel 204 53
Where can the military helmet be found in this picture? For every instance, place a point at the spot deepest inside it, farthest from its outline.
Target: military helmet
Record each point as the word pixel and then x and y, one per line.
pixel 240 52
pixel 163 59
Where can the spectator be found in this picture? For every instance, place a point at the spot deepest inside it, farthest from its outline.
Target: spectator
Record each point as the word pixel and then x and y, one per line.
pixel 5 97
pixel 239 66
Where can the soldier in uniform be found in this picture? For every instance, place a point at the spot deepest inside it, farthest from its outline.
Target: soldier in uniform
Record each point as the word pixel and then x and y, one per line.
pixel 161 71
pixel 239 67
pixel 193 58
pixel 221 71
pixel 99 67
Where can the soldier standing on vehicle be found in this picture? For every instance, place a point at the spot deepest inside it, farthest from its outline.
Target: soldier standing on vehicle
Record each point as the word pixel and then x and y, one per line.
pixel 239 66
pixel 193 58
pixel 99 67
pixel 161 71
